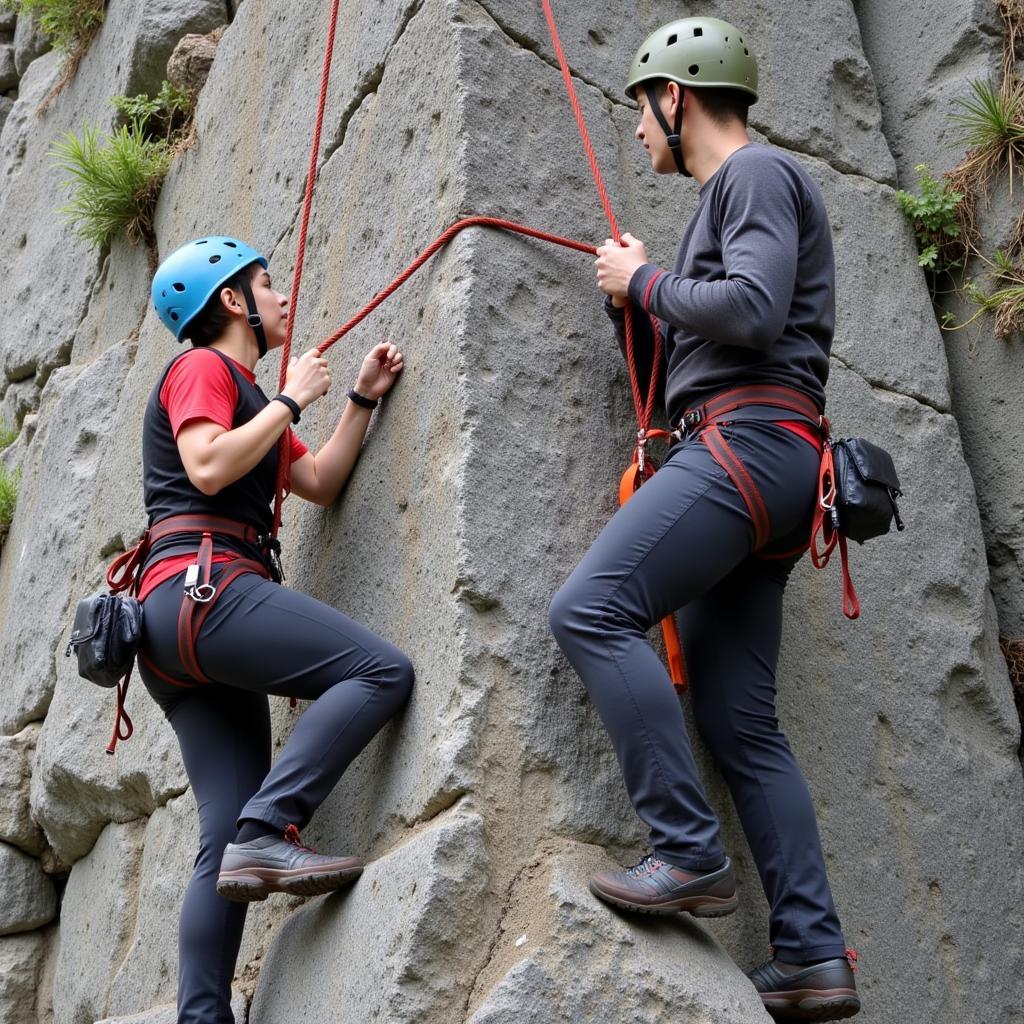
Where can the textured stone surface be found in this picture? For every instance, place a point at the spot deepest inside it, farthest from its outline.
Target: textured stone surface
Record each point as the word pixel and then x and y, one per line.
pixel 97 921
pixel 487 473
pixel 954 45
pixel 189 65
pixel 168 1014
pixel 30 42
pixel 6 106
pixel 128 56
pixel 76 786
pixel 816 92
pixel 20 960
pixel 16 824
pixel 8 72
pixel 27 896
pixel 561 955
pixel 409 914
pixel 53 507
pixel 922 57
pixel 148 974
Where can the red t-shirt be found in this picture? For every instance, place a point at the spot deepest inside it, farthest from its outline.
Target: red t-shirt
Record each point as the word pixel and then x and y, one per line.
pixel 200 387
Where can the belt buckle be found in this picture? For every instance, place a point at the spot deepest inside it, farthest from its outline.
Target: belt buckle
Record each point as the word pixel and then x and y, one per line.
pixel 201 593
pixel 692 418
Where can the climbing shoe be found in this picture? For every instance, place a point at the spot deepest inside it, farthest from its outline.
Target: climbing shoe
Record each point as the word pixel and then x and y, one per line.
pixel 824 991
pixel 654 887
pixel 253 870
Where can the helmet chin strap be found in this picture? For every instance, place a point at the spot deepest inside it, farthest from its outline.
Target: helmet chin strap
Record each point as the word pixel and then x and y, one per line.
pixel 672 136
pixel 254 319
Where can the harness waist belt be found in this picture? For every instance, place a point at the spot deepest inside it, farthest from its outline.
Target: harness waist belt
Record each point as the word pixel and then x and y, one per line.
pixel 205 524
pixel 787 400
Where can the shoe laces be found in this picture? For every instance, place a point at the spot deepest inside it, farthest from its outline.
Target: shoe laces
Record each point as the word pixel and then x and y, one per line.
pixel 291 835
pixel 644 866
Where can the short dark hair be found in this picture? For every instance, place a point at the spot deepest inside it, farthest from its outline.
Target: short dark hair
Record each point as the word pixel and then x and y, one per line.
pixel 721 103
pixel 213 319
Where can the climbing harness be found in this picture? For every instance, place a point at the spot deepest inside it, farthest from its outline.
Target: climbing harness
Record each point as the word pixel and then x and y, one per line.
pixel 201 589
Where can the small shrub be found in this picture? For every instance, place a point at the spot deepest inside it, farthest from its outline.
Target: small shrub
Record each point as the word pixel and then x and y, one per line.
pixel 933 215
pixel 8 498
pixel 115 182
pixel 167 115
pixel 69 24
pixel 8 435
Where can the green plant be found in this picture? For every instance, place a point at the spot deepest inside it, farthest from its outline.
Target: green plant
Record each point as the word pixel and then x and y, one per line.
pixel 7 435
pixel 69 24
pixel 115 182
pixel 8 497
pixel 933 215
pixel 1005 300
pixel 166 114
pixel 991 123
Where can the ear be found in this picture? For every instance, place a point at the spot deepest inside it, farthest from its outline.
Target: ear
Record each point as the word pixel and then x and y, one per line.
pixel 230 301
pixel 675 97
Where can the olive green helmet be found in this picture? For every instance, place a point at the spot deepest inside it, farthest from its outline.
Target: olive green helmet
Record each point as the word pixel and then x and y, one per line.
pixel 696 52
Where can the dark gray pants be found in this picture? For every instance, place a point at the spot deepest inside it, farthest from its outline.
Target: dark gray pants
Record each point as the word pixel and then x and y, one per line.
pixel 684 541
pixel 259 639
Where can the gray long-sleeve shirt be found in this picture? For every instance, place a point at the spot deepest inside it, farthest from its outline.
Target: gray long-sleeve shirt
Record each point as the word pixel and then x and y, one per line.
pixel 752 297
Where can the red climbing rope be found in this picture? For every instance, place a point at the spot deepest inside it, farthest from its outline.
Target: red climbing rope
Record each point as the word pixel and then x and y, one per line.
pixel 439 243
pixel 300 255
pixel 641 468
pixel 644 410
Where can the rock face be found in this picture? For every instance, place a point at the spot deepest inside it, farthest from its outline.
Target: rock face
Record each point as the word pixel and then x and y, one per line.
pixel 951 48
pixel 27 897
pixel 190 63
pixel 488 802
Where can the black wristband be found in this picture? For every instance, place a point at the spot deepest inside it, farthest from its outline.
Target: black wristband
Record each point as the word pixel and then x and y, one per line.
pixel 291 403
pixel 366 403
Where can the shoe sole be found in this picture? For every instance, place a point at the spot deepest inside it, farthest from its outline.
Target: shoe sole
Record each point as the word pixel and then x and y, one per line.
pixel 812 1004
pixel 695 906
pixel 249 885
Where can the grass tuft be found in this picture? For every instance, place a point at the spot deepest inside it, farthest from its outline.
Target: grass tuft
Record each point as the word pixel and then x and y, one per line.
pixel 8 435
pixel 8 498
pixel 115 181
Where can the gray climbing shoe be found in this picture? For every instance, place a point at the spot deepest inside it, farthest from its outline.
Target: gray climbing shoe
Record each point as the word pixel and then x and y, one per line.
pixel 251 871
pixel 824 991
pixel 654 887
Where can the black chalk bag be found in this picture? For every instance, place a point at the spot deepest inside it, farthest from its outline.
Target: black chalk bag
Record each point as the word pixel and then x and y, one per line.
pixel 105 636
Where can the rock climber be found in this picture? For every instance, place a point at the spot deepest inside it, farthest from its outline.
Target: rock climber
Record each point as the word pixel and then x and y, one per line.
pixel 746 316
pixel 219 633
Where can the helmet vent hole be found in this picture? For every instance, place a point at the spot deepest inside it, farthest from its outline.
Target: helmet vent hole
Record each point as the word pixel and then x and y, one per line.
pixel 202 241
pixel 215 259
pixel 231 245
pixel 746 52
pixel 694 69
pixel 178 286
pixel 698 32
pixel 644 58
pixel 174 317
pixel 672 40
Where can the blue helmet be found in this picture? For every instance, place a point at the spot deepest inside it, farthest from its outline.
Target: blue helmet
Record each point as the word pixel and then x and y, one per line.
pixel 187 279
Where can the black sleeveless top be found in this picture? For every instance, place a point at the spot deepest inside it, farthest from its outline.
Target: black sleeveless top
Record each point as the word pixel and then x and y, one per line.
pixel 169 492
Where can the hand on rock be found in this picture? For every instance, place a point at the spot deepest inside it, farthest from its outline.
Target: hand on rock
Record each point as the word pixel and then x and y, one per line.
pixel 380 369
